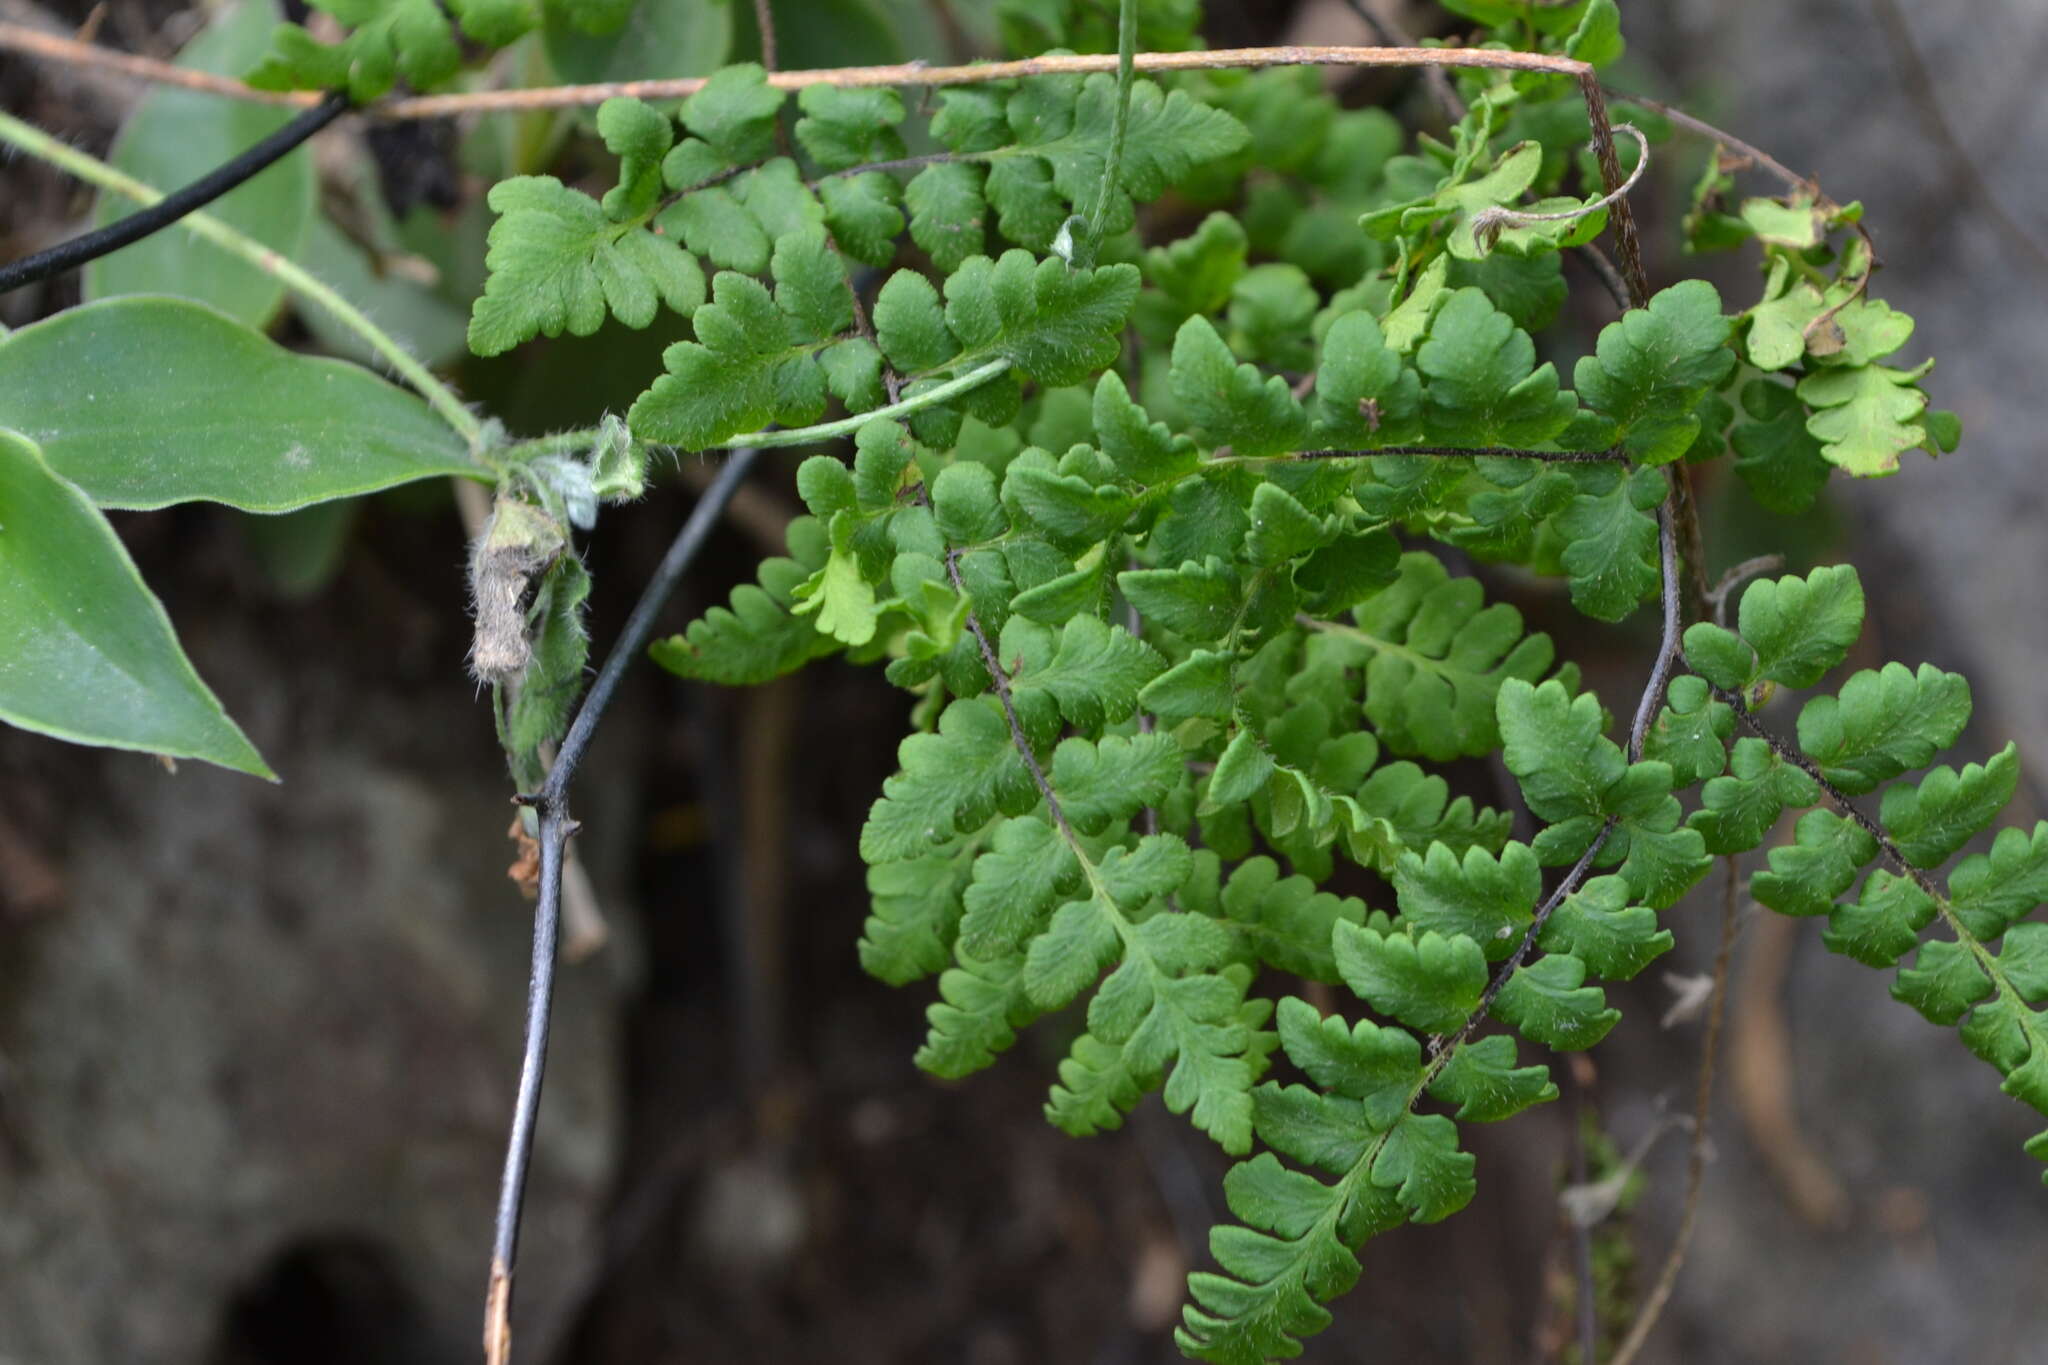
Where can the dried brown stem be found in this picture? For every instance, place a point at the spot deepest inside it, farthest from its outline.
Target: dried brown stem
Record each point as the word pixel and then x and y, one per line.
pixel 1696 1157
pixel 1763 159
pixel 16 37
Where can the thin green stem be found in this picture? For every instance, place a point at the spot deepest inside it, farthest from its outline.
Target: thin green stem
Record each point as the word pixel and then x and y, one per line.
pixel 41 145
pixel 1112 167
pixel 796 436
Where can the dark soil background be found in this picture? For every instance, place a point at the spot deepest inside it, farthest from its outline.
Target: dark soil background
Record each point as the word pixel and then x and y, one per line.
pixel 257 1044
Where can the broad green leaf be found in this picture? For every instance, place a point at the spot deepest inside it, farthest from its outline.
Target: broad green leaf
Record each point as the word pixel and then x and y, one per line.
pixel 91 656
pixel 418 318
pixel 145 402
pixel 650 41
pixel 173 137
pixel 1597 41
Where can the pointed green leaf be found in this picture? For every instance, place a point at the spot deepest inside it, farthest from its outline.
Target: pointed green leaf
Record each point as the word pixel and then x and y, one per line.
pixel 145 402
pixel 91 656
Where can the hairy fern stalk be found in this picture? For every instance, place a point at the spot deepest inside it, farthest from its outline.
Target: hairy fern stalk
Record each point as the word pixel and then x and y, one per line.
pixel 1143 519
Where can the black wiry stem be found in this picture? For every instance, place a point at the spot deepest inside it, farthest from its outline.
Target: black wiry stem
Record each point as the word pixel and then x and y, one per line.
pixel 550 804
pixel 1463 452
pixel 1000 678
pixel 90 246
pixel 1667 647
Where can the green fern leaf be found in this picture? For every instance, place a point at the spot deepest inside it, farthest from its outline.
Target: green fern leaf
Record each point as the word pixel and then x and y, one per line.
pixel 946 212
pixel 843 128
pixel 1198 602
pixel 388 39
pixel 1992 891
pixel 1793 631
pixel 559 263
pixel 1234 404
pixel 1027 869
pixel 1486 900
pixel 1740 809
pixel 1421 1162
pixel 1482 1079
pixel 951 781
pixel 1884 722
pixel 1866 416
pixel 1435 659
pixel 1883 923
pixel 1113 779
pixel 916 906
pixel 1285 921
pixel 1652 367
pixel 981 1006
pixel 1691 733
pixel 1943 982
pixel 1430 982
pixel 1933 818
pixel 1481 383
pixel 1091 677
pixel 1366 396
pixel 1808 874
pixel 1547 1000
pixel 1611 540
pixel 865 214
pixel 757 638
pixel 1597 925
pixel 734 113
pixel 1057 325
pixel 755 359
